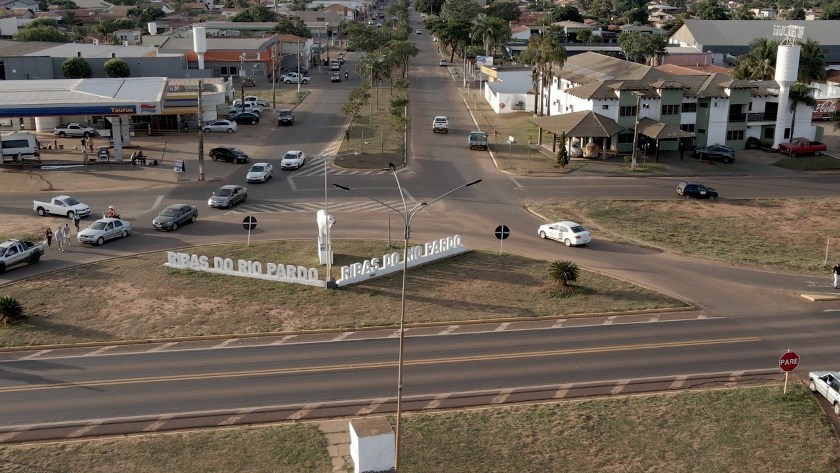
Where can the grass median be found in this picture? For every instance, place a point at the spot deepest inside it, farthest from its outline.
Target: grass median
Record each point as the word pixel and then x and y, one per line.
pixel 698 431
pixel 147 300
pixel 793 235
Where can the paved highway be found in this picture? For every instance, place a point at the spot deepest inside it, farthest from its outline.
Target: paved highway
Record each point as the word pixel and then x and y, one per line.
pixel 744 320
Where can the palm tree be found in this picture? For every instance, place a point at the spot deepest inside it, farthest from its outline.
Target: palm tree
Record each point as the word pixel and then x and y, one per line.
pixel 542 54
pixel 564 272
pixel 811 63
pixel 490 31
pixel 760 62
pixel 531 56
pixel 800 94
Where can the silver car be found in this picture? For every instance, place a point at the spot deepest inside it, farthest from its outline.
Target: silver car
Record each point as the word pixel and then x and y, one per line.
pixel 103 230
pixel 174 216
pixel 228 196
pixel 225 126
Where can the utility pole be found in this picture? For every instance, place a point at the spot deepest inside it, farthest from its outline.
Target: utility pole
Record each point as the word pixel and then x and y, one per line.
pixel 298 61
pixel 274 73
pixel 200 135
pixel 638 94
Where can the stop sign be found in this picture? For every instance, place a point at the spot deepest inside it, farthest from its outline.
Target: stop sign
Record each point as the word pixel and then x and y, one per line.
pixel 789 361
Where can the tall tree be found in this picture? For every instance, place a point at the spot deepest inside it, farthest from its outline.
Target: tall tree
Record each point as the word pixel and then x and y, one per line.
pixel 41 33
pixel 641 47
pixel 811 62
pixel 542 54
pixel 796 14
pixel 564 13
pixel 76 68
pixel 401 51
pixel 800 94
pixel 490 31
pixel 459 10
pixel 293 25
pixel 255 13
pixel 711 10
pixel 504 9
pixel 759 63
pixel 743 12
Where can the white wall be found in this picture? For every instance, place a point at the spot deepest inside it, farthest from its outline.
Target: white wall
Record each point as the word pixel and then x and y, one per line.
pixel 718 119
pixel 8 26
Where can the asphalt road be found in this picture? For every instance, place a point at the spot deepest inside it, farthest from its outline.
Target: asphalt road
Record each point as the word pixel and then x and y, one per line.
pixel 744 321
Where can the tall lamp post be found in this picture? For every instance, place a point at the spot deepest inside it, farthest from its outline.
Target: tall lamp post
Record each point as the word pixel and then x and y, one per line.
pixel 638 95
pixel 407 215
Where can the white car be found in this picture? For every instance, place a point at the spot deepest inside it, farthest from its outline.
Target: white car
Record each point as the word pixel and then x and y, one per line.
pixel 251 107
pixel 293 160
pixel 256 100
pixel 570 233
pixel 260 172
pixel 827 383
pixel 104 229
pixel 574 150
pixel 419 31
pixel 225 126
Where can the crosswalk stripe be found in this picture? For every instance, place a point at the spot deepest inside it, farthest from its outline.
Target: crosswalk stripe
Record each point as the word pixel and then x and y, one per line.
pixel 363 206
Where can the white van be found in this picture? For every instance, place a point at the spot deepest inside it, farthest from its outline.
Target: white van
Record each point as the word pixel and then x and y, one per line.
pixel 19 144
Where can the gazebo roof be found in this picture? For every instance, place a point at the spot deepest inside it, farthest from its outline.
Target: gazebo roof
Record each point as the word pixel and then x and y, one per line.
pixel 661 131
pixel 586 124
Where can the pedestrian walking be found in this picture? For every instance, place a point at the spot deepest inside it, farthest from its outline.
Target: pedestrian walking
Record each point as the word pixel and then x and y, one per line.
pixel 90 144
pixel 84 144
pixel 66 234
pixel 59 238
pixel 836 275
pixel 49 235
pixel 76 220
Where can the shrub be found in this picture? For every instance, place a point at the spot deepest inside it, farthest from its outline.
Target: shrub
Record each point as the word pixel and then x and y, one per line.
pixel 564 272
pixel 10 310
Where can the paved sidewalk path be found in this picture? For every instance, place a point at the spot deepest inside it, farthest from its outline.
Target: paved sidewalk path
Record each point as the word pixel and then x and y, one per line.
pixel 337 435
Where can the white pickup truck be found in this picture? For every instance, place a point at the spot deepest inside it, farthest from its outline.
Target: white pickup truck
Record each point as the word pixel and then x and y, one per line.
pixel 74 129
pixel 14 252
pixel 63 205
pixel 827 383
pixel 290 77
pixel 440 124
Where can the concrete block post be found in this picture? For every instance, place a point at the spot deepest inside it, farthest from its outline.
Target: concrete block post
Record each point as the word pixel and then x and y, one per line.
pixel 372 445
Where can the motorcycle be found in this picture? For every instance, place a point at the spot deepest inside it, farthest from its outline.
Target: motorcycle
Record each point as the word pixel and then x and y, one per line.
pixel 346 75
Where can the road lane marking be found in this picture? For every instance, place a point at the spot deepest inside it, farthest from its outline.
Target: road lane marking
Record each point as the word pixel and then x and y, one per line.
pixel 619 386
pixel 156 204
pixel 161 347
pixel 372 406
pixel 502 397
pixel 84 430
pixel 678 382
pixel 156 425
pixel 341 336
pixel 382 364
pixel 99 351
pixel 4 437
pixel 448 330
pixel 654 318
pixel 34 355
pixel 610 320
pixel 562 391
pixel 226 343
pixel 558 323
pixel 292 183
pixel 283 340
pixel 303 412
pixel 502 327
pixel 436 402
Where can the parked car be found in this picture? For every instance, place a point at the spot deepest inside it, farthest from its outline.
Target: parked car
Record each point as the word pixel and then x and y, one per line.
pixel 293 160
pixel 103 230
pixel 801 147
pixel 219 126
pixel 419 31
pixel 443 63
pixel 827 383
pixel 294 77
pixel 696 190
pixel 229 153
pixel 570 233
pixel 574 150
pixel 174 216
pixel 260 172
pixel 247 118
pixel 285 117
pixel 63 205
pixel 74 129
pixel 336 77
pixel 720 153
pixel 228 196
pixel 250 107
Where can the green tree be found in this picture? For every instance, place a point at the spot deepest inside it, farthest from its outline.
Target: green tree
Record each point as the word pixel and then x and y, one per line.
pixel 294 26
pixel 562 153
pixel 365 38
pixel 564 272
pixel 831 11
pixel 542 54
pixel 490 31
pixel 255 13
pixel 800 94
pixel 11 310
pixel 759 63
pixel 711 10
pixel 42 33
pixel 504 9
pixel 641 47
pixel 459 10
pixel 64 4
pixel 430 7
pixel 796 14
pixel 584 36
pixel 43 5
pixel 141 16
pixel 236 3
pixel 401 51
pixel 299 5
pixel 743 12
pixel 117 67
pixel 564 13
pixel 811 62
pixel 637 16
pixel 76 68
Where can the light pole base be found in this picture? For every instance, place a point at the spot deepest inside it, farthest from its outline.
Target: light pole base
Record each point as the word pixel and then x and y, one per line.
pixel 331 284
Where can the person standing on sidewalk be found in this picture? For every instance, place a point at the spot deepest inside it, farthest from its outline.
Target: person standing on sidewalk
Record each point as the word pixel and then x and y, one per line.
pixel 66 234
pixel 76 220
pixel 836 274
pixel 49 235
pixel 59 238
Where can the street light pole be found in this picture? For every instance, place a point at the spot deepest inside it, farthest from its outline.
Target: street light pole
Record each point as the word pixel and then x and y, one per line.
pixel 328 243
pixel 638 95
pixel 407 215
pixel 200 135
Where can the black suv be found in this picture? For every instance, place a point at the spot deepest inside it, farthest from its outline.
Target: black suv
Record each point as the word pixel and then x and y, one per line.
pixel 285 117
pixel 696 190
pixel 227 153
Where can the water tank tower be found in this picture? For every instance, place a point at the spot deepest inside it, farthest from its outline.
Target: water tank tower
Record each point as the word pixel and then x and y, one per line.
pixel 787 71
pixel 200 44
